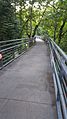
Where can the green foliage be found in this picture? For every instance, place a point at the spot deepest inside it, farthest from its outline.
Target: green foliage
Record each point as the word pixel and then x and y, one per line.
pixel 55 22
pixel 63 43
pixel 8 22
pixel 20 18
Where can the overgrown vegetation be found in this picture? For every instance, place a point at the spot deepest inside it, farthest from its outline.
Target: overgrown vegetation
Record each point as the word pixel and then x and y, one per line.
pixel 22 18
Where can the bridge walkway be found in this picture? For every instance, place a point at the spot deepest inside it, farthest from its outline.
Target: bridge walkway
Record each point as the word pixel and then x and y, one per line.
pixel 26 86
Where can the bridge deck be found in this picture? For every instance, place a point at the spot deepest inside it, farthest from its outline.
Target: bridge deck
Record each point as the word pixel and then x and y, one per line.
pixel 26 87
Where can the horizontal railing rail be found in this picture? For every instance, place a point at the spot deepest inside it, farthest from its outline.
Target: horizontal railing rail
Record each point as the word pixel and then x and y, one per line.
pixel 59 66
pixel 11 49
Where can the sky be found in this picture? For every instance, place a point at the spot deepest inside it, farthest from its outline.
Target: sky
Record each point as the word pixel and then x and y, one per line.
pixel 35 4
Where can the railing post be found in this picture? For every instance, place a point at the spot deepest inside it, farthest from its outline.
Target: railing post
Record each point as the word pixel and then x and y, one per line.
pixel 1 60
pixel 13 54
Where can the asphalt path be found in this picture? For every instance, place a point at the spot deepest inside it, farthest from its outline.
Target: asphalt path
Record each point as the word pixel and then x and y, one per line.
pixel 27 88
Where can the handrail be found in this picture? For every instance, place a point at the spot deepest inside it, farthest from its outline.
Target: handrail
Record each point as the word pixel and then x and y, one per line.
pixel 59 66
pixel 60 50
pixel 11 49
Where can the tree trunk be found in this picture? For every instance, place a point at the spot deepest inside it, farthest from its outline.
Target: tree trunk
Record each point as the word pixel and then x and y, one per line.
pixel 61 31
pixel 55 27
pixel 30 21
pixel 35 29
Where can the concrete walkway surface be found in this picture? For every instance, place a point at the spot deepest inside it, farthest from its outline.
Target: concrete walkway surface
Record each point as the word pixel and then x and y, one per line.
pixel 26 86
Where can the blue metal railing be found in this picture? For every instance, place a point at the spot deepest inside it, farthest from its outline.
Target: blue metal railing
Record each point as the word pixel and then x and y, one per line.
pixel 11 49
pixel 59 66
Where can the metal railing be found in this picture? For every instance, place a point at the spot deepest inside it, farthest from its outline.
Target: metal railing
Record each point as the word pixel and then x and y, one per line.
pixel 11 49
pixel 59 66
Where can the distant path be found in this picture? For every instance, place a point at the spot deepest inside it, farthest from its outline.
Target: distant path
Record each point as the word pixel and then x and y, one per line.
pixel 26 87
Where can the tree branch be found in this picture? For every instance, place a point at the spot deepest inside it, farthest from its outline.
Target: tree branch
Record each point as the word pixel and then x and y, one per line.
pixel 38 23
pixel 64 33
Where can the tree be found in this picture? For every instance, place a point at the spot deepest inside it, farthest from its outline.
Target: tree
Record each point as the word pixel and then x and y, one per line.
pixel 54 22
pixel 19 18
pixel 32 14
pixel 8 22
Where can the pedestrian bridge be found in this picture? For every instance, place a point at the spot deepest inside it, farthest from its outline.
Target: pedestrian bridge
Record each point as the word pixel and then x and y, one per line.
pixel 28 89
